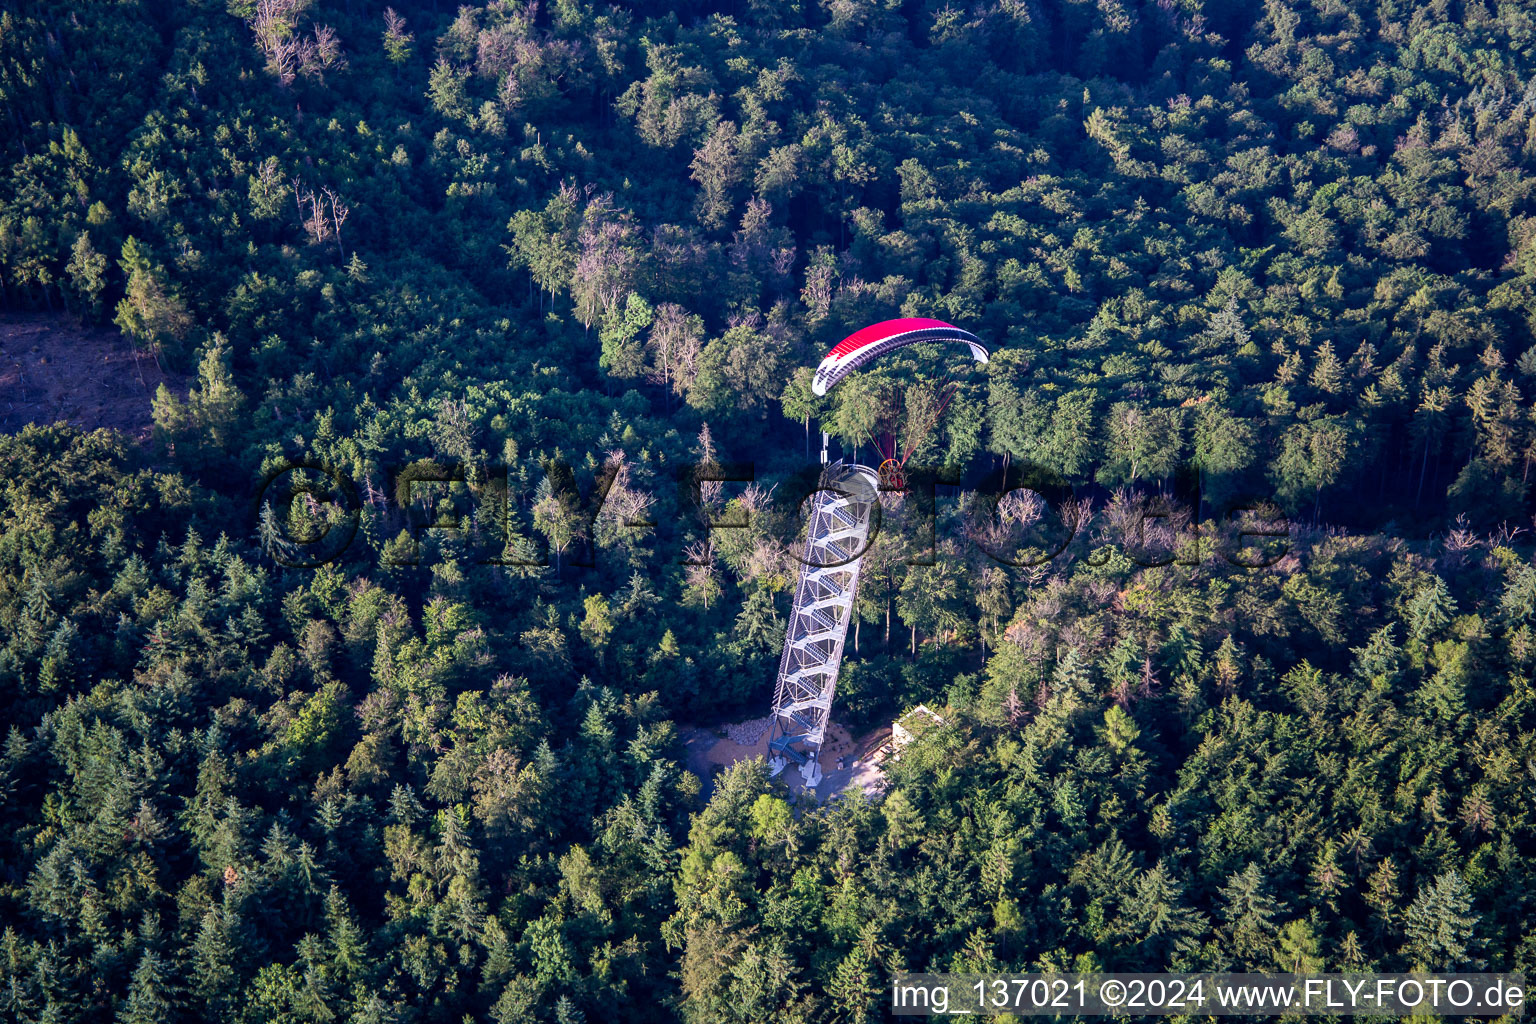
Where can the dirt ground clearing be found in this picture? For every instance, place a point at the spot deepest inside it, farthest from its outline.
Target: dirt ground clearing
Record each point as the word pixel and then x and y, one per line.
pixel 845 761
pixel 52 369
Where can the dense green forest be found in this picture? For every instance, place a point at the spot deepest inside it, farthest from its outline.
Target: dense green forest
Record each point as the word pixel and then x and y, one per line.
pixel 473 266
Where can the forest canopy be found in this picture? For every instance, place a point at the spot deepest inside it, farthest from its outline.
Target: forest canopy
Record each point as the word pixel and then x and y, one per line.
pixel 474 266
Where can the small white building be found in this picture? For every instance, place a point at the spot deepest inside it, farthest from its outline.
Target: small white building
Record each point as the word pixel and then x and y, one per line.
pixel 912 725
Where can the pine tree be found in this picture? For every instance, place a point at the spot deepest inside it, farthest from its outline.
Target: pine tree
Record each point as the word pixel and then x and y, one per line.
pixel 854 988
pixel 87 272
pixel 1249 912
pixel 1227 328
pixel 1444 694
pixel 269 535
pixel 1381 895
pixel 1327 370
pixel 1351 957
pixel 1430 608
pixel 150 993
pixel 1299 949
pixel 1119 730
pixel 18 999
pixel 1379 661
pixel 1228 661
pixel 1072 673
pixel 214 405
pixel 1440 927
pixel 1156 913
pixel 213 973
pixel 567 1012
pixel 151 312
pixel 1327 877
pixel 759 631
pixel 1428 428
pixel 455 857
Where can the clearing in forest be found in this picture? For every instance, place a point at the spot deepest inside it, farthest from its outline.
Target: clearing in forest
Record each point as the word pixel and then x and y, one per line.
pixel 845 761
pixel 53 369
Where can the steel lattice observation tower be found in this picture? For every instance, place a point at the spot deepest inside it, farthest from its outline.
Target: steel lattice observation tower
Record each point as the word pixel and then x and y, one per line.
pixel 837 535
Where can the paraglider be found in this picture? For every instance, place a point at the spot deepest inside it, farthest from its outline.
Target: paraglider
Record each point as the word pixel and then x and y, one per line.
pixel 868 344
pixel 876 340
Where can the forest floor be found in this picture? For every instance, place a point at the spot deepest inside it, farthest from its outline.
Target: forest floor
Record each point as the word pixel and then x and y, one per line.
pixel 846 761
pixel 53 369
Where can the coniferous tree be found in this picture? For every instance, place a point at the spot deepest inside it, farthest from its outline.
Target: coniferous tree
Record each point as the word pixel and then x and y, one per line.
pixel 1440 926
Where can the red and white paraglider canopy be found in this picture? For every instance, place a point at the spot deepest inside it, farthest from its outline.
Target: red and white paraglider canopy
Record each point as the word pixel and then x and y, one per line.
pixel 877 339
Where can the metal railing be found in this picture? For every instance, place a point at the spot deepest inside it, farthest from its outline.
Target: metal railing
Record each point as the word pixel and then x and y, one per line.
pixel 836 537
